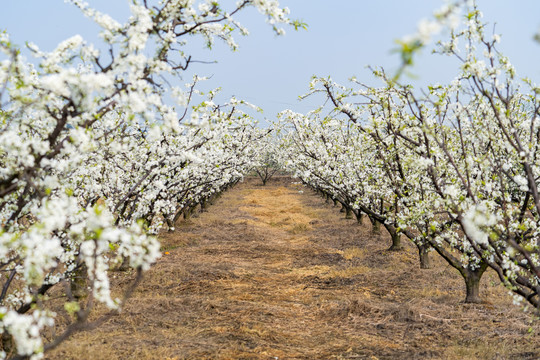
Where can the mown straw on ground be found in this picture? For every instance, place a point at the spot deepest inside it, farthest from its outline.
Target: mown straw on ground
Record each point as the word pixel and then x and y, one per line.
pixel 275 273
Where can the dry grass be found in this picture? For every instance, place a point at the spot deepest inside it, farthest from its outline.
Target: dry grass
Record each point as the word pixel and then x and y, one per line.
pixel 270 273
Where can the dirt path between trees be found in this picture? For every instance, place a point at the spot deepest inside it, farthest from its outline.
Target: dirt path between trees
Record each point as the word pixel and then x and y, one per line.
pixel 275 273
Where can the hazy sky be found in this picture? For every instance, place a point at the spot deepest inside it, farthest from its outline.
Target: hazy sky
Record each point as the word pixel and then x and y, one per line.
pixel 343 37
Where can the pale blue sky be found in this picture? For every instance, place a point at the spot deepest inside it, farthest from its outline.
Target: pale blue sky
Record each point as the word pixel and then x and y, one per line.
pixel 343 37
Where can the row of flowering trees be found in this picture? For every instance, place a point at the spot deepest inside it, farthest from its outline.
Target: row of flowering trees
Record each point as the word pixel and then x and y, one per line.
pixel 98 151
pixel 455 168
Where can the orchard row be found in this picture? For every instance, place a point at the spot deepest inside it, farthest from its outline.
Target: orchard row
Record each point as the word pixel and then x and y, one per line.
pixel 454 168
pixel 99 150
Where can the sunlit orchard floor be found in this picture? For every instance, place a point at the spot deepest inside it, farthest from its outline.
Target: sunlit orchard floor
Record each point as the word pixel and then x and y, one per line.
pixel 275 273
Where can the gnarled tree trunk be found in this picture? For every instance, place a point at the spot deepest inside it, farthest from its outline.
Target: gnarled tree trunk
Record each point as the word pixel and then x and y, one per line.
pixel 396 238
pixel 472 282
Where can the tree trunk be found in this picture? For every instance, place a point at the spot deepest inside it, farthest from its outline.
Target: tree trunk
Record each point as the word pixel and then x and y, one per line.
pixel 342 208
pixel 375 226
pixel 78 282
pixel 177 216
pixel 423 253
pixel 396 238
pixel 359 217
pixel 335 202
pixel 348 213
pixel 188 212
pixel 124 266
pixel 396 242
pixel 204 205
pixel 170 224
pixel 472 283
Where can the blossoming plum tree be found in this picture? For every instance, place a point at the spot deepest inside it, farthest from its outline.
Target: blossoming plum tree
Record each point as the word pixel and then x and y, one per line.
pixel 269 154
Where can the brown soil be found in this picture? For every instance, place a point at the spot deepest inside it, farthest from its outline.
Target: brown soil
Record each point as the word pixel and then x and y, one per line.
pixel 275 273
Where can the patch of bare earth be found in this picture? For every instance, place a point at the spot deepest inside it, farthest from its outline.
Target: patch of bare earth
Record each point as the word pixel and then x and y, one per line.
pixel 274 273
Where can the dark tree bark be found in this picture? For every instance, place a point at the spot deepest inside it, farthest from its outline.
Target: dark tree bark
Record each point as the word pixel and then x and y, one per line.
pixel 423 253
pixel 375 226
pixel 396 237
pixel 472 283
pixel 359 217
